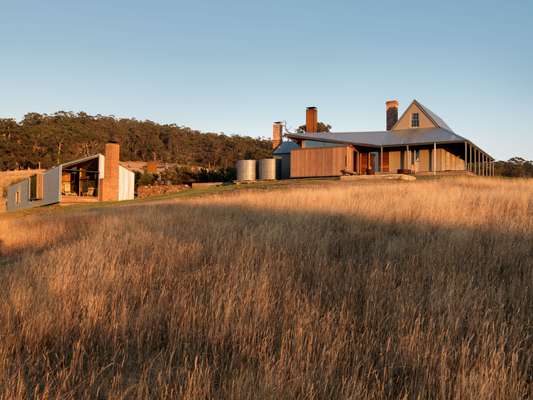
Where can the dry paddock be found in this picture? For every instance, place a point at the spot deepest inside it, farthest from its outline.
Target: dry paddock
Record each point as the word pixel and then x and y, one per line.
pixel 336 290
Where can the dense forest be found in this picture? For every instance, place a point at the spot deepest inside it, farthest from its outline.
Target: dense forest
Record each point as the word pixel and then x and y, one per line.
pixel 63 136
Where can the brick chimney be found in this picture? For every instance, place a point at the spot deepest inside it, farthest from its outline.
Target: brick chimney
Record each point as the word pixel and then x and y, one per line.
pixel 392 113
pixel 109 183
pixel 311 120
pixel 277 131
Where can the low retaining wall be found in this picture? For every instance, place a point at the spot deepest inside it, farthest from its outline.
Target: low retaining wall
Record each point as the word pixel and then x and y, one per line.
pixel 204 185
pixel 157 190
pixel 378 177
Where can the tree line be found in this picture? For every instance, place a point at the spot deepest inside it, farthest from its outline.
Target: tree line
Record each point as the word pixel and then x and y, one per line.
pixel 48 140
pixel 515 167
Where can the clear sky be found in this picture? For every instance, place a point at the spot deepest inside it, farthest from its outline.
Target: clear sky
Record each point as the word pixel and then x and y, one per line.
pixel 237 66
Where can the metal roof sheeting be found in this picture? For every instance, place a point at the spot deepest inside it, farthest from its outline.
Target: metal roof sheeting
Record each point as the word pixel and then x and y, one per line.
pixel 285 148
pixel 386 138
pixel 396 138
pixel 438 120
pixel 80 160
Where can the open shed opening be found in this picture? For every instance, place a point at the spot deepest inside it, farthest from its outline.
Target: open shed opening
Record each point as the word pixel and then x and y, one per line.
pixel 80 179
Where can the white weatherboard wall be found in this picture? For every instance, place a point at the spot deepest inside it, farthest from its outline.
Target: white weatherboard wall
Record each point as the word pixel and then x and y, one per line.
pixel 126 184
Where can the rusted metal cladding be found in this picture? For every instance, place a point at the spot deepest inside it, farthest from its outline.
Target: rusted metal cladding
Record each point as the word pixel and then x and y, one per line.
pixel 246 170
pixel 266 169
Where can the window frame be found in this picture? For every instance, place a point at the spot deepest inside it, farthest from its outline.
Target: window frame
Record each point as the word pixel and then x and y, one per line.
pixel 415 117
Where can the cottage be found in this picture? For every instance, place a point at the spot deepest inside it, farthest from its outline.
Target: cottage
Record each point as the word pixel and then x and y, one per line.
pixel 419 142
pixel 90 179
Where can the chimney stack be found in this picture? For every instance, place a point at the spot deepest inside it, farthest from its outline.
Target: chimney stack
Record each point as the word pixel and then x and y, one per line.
pixel 109 188
pixel 392 113
pixel 311 120
pixel 277 132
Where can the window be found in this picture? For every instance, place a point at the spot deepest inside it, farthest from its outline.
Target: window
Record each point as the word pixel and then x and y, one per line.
pixel 17 197
pixel 415 123
pixel 36 187
pixel 417 155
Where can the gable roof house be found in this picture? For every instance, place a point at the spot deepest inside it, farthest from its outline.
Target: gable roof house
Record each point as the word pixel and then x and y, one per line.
pixel 90 179
pixel 419 142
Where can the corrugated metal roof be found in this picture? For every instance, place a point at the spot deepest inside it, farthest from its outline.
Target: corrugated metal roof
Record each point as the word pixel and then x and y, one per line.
pixel 386 138
pixel 80 160
pixel 285 148
pixel 401 137
pixel 438 120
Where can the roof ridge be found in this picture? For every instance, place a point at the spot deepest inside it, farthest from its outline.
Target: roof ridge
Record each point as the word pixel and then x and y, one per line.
pixel 438 121
pixel 432 116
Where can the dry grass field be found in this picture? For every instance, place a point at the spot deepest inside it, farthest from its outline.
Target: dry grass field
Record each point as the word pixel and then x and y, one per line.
pixel 335 290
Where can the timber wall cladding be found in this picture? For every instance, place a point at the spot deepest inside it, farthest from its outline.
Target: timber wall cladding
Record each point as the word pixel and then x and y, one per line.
pixel 447 161
pixel 424 164
pixel 363 163
pixel 395 161
pixel 321 161
pixel 386 162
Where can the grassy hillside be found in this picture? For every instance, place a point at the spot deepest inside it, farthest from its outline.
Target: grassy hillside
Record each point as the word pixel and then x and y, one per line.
pixel 319 291
pixel 63 136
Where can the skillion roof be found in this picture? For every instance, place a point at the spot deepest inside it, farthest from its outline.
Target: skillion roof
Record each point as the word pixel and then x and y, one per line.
pixel 80 160
pixel 285 148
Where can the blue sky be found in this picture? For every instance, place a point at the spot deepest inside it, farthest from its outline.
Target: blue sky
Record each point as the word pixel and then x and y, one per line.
pixel 237 66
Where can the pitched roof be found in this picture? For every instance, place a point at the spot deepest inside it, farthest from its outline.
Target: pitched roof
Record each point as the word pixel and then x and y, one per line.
pixel 385 138
pixel 376 139
pixel 437 121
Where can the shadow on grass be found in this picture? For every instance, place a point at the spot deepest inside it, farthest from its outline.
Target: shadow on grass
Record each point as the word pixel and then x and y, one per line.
pixel 410 271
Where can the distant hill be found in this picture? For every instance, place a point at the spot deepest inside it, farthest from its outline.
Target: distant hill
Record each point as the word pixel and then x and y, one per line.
pixel 63 136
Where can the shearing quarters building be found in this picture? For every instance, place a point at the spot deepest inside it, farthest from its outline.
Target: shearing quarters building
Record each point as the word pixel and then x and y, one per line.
pixel 419 142
pixel 90 179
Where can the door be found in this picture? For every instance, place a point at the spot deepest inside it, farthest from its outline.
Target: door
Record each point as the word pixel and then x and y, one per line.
pixel 363 165
pixel 373 163
pixel 416 160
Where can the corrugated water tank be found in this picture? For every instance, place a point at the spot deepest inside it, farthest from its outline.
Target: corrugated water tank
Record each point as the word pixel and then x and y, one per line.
pixel 267 169
pixel 246 170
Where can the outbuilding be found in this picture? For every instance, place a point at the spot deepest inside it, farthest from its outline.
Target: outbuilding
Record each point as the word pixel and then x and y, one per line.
pixel 90 179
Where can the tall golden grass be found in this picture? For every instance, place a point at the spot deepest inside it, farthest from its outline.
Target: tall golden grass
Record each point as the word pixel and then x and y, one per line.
pixel 393 290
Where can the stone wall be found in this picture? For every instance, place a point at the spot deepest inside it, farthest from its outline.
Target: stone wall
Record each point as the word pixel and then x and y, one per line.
pixel 157 190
